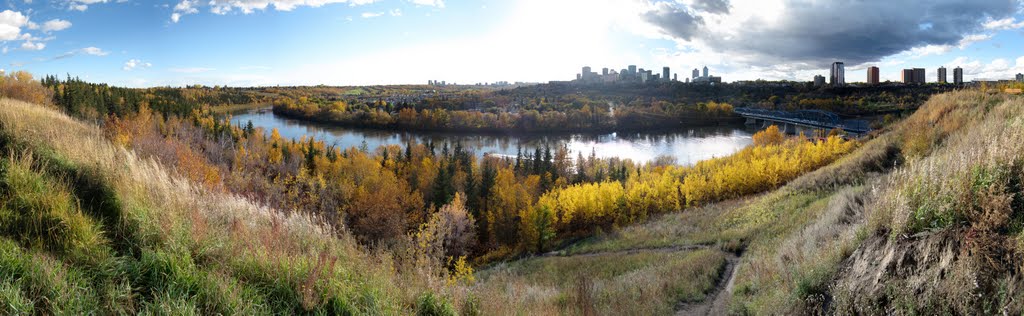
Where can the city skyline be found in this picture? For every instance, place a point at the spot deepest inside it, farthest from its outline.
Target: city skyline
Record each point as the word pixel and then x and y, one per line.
pixel 361 42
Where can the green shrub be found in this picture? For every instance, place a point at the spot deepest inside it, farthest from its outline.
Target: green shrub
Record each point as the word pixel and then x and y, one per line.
pixel 429 304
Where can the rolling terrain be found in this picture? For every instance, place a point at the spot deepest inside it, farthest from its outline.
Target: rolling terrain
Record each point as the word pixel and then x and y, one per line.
pixel 925 216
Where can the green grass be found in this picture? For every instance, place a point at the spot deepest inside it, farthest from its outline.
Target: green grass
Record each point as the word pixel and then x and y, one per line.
pixel 222 109
pixel 88 228
pixel 354 92
pixel 640 283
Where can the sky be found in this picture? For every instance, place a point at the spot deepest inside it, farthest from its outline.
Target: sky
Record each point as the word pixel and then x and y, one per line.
pixel 140 43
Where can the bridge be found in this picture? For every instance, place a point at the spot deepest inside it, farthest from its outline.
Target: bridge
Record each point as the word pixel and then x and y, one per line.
pixel 803 120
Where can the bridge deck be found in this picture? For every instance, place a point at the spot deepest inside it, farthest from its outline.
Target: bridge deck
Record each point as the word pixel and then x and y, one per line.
pixel 809 118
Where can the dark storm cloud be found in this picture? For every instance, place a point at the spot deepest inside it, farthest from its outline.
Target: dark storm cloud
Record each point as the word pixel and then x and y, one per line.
pixel 712 6
pixel 853 31
pixel 676 21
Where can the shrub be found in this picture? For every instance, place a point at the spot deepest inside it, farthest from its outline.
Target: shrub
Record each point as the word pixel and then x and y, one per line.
pixel 431 305
pixel 20 85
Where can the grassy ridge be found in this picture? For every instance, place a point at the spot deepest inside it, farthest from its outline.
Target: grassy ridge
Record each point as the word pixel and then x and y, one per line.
pixel 635 283
pixel 89 228
pixel 791 240
pixel 959 193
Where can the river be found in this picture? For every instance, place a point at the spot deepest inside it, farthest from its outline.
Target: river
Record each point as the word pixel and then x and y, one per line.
pixel 686 146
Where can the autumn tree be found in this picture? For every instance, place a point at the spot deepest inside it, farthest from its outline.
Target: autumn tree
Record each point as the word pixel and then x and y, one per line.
pixel 450 232
pixel 769 136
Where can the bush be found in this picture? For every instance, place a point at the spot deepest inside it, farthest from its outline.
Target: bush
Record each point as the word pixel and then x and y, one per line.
pixel 19 85
pixel 430 305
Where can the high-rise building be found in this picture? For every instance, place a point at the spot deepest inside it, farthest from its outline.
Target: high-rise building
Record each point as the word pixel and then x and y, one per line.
pixel 585 74
pixel 1020 77
pixel 819 80
pixel 838 76
pixel 919 75
pixel 872 75
pixel 675 77
pixel 664 73
pixel 913 76
pixel 604 71
pixel 696 73
pixel 706 71
pixel 942 75
pixel 907 76
pixel 958 75
pixel 632 70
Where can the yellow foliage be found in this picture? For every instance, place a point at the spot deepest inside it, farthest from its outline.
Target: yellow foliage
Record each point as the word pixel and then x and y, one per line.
pixel 461 272
pixel 339 106
pixel 581 207
pixel 758 168
pixel 769 136
pixel 584 205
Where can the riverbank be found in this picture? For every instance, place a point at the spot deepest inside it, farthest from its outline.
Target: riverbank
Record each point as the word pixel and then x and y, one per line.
pixel 226 109
pixel 685 146
pixel 367 123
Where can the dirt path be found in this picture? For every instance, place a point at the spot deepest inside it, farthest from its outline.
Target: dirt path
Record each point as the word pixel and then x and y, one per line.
pixel 629 251
pixel 717 302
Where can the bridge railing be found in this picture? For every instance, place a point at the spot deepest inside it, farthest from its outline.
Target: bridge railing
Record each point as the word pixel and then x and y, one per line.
pixel 817 118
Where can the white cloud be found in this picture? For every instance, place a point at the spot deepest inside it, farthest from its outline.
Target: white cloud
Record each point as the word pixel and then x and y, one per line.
pixel 429 3
pixel 1003 24
pixel 56 25
pixel 132 64
pixel 367 15
pixel 971 39
pixel 82 5
pixel 997 69
pixel 186 7
pixel 395 12
pixel 93 51
pixel 191 70
pixel 968 40
pixel 11 23
pixel 28 45
pixel 784 34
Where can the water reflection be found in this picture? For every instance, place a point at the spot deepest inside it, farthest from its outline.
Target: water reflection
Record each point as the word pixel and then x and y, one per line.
pixel 687 147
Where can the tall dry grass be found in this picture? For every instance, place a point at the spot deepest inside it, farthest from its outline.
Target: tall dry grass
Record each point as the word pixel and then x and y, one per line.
pixel 20 85
pixel 622 283
pixel 979 134
pixel 249 246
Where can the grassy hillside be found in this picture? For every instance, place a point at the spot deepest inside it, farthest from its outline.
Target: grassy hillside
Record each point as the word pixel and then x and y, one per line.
pixel 926 217
pixel 945 233
pixel 87 227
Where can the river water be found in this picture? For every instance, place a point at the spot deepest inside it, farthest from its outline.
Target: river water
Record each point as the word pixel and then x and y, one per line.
pixel 687 146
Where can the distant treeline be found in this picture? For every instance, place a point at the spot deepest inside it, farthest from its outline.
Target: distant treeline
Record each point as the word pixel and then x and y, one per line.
pixel 564 107
pixel 563 114
pixel 850 100
pixel 94 100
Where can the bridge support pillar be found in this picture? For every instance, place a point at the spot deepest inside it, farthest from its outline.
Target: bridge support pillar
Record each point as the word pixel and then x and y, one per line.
pixel 751 121
pixel 790 129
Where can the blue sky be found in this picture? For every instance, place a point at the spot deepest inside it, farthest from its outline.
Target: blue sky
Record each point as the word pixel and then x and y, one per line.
pixel 336 42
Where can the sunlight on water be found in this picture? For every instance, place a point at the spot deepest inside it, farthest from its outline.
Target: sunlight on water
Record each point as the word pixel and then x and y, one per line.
pixel 687 147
